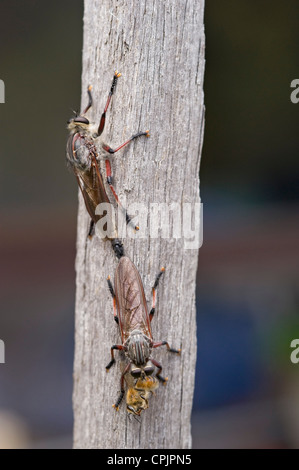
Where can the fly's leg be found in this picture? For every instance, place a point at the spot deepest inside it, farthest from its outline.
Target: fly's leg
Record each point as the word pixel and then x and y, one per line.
pixel 122 388
pixel 169 349
pixel 103 117
pixel 157 280
pixel 110 286
pixel 109 181
pixel 135 136
pixel 91 229
pixel 119 400
pixel 159 377
pixel 119 347
pixel 157 364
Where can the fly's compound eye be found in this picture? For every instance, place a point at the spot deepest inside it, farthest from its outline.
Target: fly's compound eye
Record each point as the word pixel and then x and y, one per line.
pixel 149 370
pixel 81 120
pixel 136 373
pixel 78 120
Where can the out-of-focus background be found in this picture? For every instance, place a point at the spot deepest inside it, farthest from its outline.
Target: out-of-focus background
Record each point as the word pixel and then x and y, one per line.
pixel 247 389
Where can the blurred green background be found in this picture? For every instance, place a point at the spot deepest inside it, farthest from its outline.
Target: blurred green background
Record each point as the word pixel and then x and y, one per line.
pixel 248 289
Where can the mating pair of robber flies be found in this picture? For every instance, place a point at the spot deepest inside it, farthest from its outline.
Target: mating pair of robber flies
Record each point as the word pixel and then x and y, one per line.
pixel 84 149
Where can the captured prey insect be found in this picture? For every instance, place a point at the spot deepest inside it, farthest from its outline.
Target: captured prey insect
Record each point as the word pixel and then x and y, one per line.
pixel 83 147
pixel 139 393
pixel 131 314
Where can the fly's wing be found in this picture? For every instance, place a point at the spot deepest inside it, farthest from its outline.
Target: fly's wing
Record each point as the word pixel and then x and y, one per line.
pixel 82 159
pixel 130 300
pixel 93 190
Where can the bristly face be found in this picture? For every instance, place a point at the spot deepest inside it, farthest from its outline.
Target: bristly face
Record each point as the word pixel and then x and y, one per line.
pixel 78 123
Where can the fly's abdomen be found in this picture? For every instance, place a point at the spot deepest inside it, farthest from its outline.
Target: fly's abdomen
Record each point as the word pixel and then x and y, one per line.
pixel 131 302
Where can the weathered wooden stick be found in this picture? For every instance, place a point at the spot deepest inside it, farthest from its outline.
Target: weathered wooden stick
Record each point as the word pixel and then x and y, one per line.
pixel 159 49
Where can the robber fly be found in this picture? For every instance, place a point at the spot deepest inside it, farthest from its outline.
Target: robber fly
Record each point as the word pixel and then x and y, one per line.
pixel 83 156
pixel 131 314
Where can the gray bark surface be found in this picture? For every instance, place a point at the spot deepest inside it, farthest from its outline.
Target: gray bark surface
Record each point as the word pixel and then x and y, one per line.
pixel 159 49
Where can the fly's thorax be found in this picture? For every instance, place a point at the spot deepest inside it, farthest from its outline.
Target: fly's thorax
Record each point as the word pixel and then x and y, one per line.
pixel 80 150
pixel 138 348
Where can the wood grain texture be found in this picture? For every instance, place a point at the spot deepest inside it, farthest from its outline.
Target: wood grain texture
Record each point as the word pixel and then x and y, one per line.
pixel 159 49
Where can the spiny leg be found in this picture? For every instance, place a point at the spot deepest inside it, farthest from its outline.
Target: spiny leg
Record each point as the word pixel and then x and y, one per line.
pixel 110 286
pixel 159 377
pixel 109 181
pixel 122 387
pixel 135 136
pixel 157 280
pixel 169 349
pixel 91 229
pixel 132 415
pixel 102 121
pixel 119 347
pixel 135 417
